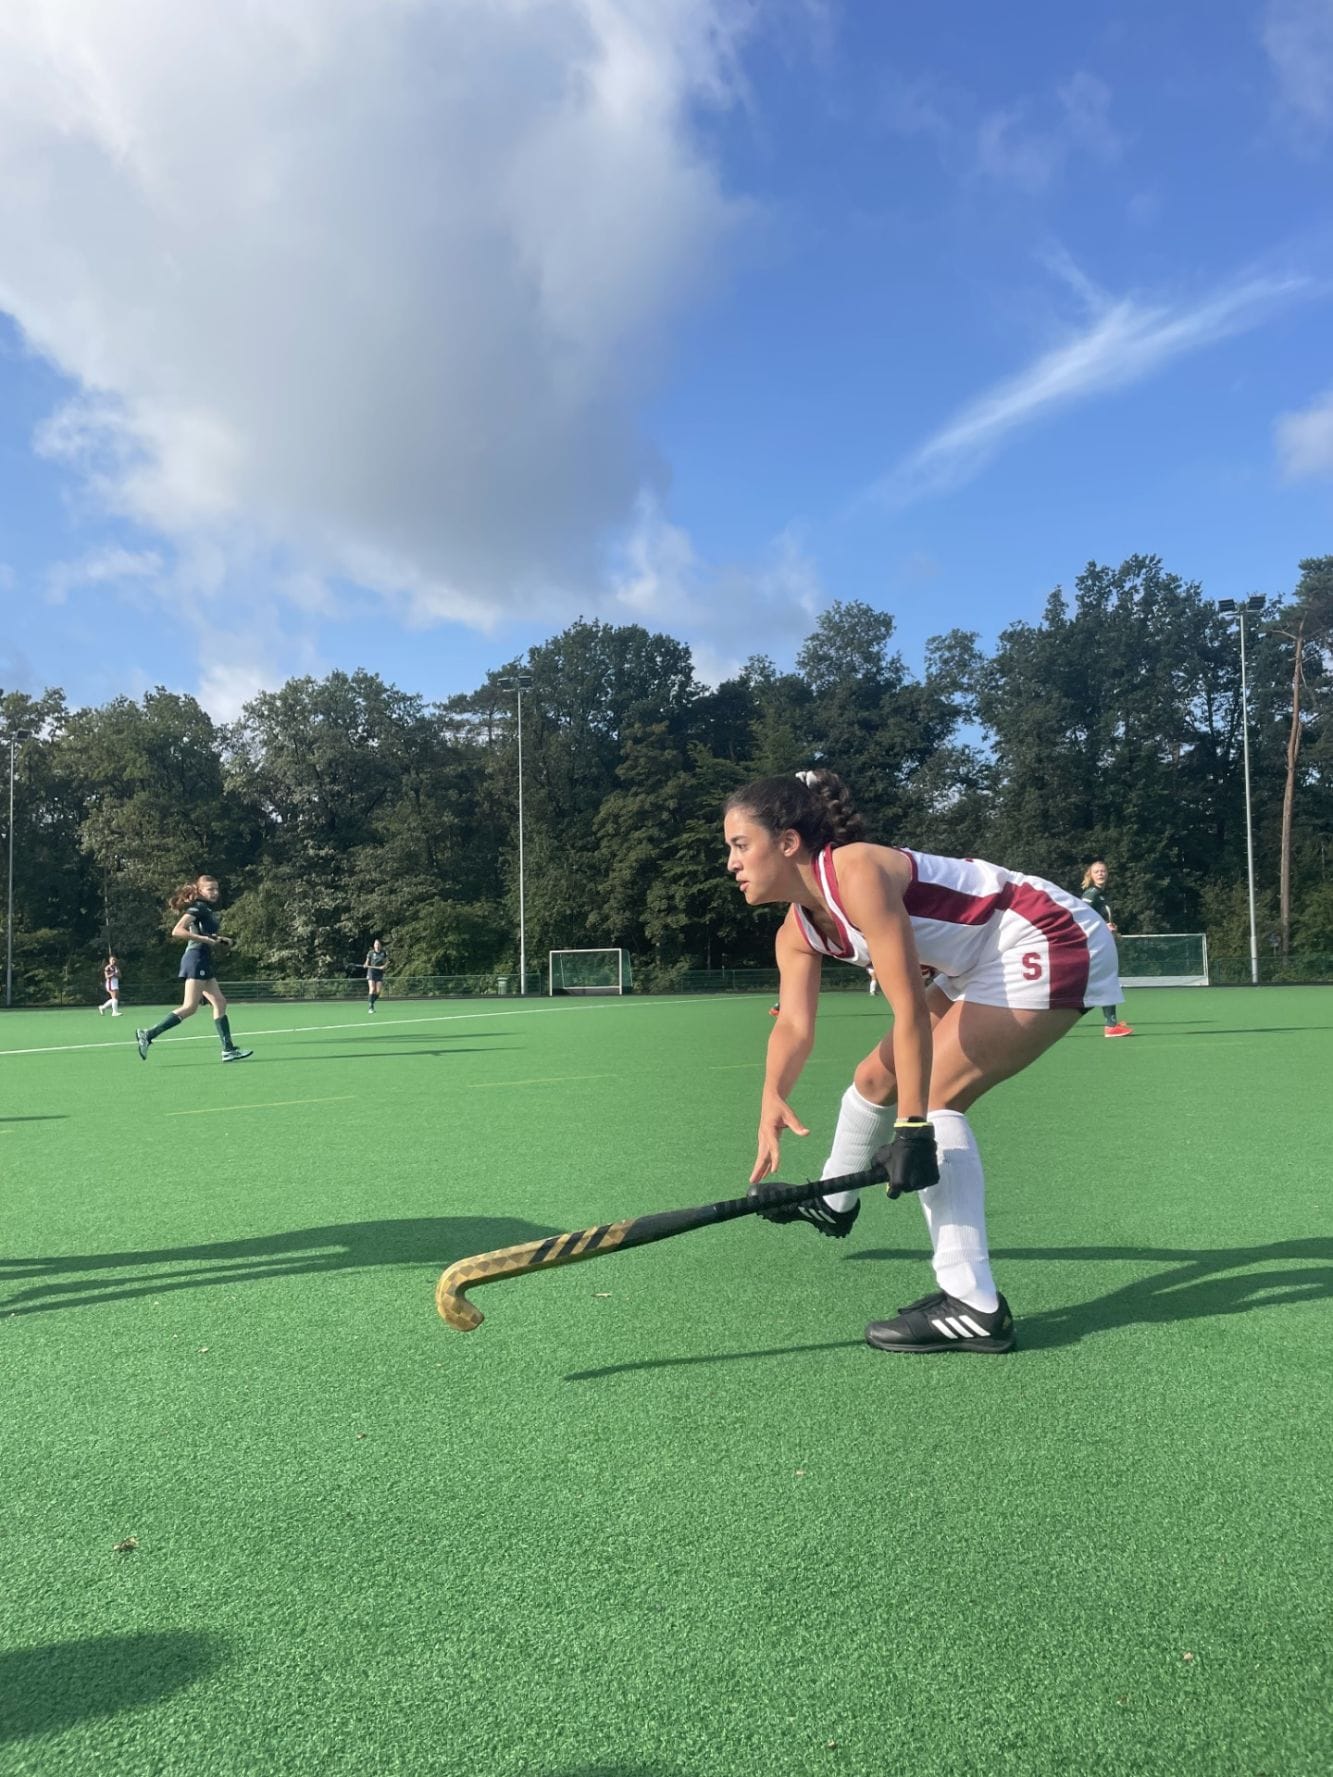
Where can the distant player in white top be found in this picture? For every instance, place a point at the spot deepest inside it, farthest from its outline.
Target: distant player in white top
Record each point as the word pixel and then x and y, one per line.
pixel 111 982
pixel 1015 962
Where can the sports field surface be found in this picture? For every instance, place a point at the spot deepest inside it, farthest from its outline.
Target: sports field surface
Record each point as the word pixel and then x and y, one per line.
pixel 664 1514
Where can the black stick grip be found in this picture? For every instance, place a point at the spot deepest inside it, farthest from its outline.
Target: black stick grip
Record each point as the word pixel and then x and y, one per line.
pixel 593 1243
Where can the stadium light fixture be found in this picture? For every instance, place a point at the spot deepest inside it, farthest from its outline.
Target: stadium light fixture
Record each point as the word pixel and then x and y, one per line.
pixel 14 738
pixel 518 683
pixel 1240 610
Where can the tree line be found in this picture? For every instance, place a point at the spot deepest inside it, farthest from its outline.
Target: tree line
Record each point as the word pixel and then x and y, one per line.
pixel 342 808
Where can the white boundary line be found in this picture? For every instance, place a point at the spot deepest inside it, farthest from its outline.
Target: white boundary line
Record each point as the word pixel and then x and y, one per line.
pixel 270 1104
pixel 287 1030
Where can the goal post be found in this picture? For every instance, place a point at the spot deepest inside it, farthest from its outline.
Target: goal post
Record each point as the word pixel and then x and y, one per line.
pixel 1163 959
pixel 588 971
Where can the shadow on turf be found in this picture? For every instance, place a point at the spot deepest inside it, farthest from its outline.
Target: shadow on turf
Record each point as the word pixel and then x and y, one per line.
pixel 44 1690
pixel 56 1117
pixel 434 1241
pixel 708 1357
pixel 362 1055
pixel 1234 1030
pixel 1199 1285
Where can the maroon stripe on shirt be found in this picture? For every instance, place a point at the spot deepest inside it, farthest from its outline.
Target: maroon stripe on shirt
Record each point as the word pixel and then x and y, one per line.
pixel 932 900
pixel 836 908
pixel 1067 944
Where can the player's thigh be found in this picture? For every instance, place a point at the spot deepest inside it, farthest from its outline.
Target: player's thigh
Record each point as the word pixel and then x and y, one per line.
pixel 978 1046
pixel 874 1077
pixel 192 992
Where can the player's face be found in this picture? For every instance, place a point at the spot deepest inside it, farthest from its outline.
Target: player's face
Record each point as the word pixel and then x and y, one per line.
pixel 757 859
pixel 1099 875
pixel 208 888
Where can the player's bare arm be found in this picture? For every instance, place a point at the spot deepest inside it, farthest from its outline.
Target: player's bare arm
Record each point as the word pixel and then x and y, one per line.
pixel 789 1044
pixel 872 879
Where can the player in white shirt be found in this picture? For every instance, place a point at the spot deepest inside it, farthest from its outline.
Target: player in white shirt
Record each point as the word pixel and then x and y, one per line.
pixel 111 982
pixel 1015 963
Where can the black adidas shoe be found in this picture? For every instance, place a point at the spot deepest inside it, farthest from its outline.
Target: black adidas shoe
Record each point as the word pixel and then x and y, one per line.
pixel 943 1323
pixel 141 1039
pixel 237 1054
pixel 836 1222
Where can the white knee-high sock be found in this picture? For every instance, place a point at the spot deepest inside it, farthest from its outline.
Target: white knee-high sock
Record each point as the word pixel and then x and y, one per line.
pixel 955 1212
pixel 862 1127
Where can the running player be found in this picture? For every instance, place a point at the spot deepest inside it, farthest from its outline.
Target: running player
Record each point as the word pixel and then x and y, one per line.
pixel 1015 964
pixel 377 961
pixel 197 923
pixel 1094 893
pixel 111 982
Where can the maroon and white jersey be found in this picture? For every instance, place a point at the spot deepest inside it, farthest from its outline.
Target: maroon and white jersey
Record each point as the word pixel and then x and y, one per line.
pixel 991 935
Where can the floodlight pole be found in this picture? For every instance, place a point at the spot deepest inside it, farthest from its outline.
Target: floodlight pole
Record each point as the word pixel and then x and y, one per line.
pixel 1240 610
pixel 519 683
pixel 14 738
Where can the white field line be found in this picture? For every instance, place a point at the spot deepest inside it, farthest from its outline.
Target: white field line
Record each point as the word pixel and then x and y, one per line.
pixel 287 1030
pixel 271 1104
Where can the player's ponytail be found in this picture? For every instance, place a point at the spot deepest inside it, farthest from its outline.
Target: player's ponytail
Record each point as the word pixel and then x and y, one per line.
pixel 815 804
pixel 187 892
pixel 843 815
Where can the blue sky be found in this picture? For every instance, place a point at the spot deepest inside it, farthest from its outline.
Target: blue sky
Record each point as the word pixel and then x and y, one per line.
pixel 398 339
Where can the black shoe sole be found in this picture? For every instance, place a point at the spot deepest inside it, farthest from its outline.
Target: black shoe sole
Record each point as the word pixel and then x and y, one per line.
pixel 981 1347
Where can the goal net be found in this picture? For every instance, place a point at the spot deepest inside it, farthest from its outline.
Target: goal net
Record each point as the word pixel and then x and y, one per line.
pixel 589 971
pixel 1163 959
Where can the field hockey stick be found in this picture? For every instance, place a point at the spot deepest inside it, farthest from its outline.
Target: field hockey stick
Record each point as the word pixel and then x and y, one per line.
pixel 615 1237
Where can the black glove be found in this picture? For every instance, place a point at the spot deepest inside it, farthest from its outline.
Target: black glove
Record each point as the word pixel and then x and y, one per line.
pixel 912 1162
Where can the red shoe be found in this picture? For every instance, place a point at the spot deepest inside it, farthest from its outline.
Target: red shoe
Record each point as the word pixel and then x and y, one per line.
pixel 1118 1030
pixel 773 1011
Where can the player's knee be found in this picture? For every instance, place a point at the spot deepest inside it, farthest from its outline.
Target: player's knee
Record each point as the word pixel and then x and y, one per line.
pixel 184 1012
pixel 875 1082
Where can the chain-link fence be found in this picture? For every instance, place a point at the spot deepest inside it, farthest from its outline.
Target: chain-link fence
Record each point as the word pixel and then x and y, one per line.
pixel 1223 971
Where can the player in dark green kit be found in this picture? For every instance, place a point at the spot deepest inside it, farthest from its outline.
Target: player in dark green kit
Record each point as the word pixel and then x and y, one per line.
pixel 377 961
pixel 197 923
pixel 1094 893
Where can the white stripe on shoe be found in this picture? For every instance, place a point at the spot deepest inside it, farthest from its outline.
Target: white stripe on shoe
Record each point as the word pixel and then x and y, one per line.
pixel 959 1326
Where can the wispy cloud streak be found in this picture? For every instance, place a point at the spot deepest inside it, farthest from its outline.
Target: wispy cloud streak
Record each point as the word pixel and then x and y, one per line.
pixel 1123 342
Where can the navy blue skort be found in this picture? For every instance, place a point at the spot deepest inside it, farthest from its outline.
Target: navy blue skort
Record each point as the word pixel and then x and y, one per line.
pixel 196 964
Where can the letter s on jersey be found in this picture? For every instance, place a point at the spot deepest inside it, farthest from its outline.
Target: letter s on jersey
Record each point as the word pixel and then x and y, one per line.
pixel 1032 966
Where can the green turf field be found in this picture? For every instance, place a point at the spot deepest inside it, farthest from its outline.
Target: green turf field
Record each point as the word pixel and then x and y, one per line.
pixel 663 1515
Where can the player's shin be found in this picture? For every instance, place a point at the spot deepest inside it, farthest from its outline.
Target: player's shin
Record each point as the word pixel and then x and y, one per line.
pixel 862 1129
pixel 955 1212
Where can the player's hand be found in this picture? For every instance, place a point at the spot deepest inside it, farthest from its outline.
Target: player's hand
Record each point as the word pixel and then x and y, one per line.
pixel 912 1160
pixel 225 942
pixel 775 1115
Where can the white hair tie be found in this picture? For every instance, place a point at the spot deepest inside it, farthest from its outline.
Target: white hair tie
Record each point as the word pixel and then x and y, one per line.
pixel 809 778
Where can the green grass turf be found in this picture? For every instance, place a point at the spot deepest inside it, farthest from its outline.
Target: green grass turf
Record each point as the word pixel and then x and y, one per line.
pixel 663 1514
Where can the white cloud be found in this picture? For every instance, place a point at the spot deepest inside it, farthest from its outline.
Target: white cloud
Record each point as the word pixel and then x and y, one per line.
pixel 1123 341
pixel 1298 36
pixel 1015 151
pixel 110 566
pixel 1305 441
pixel 374 288
pixel 1013 154
pixel 1026 144
pixel 725 613
pixel 1085 104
